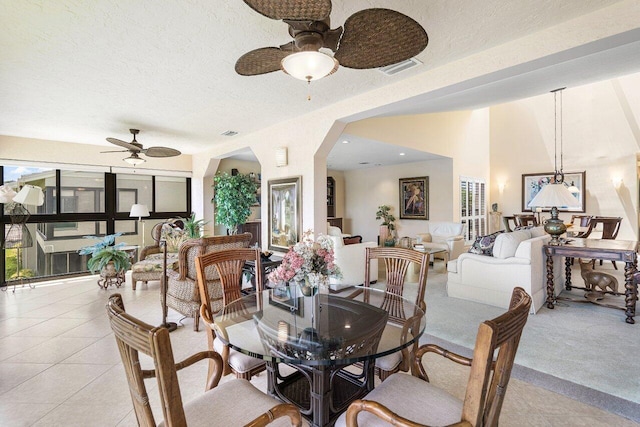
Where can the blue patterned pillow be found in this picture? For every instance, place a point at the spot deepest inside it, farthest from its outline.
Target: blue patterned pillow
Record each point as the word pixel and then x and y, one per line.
pixel 484 244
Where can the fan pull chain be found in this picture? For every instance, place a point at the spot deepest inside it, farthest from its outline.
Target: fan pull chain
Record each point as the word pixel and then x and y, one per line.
pixel 308 88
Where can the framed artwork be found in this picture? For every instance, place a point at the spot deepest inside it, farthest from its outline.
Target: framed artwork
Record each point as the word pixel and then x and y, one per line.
pixel 284 213
pixel 532 183
pixel 414 198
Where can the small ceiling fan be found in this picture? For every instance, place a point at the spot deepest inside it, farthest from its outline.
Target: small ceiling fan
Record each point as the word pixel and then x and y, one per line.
pixel 371 38
pixel 135 148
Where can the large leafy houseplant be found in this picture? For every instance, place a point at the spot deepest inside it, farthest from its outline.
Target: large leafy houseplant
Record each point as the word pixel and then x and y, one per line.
pixel 105 252
pixel 233 197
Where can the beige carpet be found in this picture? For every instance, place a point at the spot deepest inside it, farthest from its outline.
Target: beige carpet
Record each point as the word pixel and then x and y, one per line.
pixel 581 350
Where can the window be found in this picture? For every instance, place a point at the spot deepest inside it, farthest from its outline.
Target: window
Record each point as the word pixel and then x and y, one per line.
pixel 79 203
pixel 170 194
pixel 473 209
pixel 133 189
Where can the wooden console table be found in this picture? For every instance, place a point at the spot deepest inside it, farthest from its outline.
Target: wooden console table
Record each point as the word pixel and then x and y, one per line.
pixel 609 250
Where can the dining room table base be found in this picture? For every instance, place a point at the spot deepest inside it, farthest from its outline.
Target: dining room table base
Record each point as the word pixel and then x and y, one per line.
pixel 321 392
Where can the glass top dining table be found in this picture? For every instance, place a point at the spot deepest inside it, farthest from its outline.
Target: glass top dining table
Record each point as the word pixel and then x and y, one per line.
pixel 319 336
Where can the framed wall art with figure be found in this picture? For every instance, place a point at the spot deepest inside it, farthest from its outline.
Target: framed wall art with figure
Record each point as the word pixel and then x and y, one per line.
pixel 285 212
pixel 532 183
pixel 414 198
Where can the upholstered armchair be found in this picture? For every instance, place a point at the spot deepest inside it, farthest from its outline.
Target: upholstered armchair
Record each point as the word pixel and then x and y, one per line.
pixel 444 235
pixel 151 262
pixel 351 260
pixel 182 287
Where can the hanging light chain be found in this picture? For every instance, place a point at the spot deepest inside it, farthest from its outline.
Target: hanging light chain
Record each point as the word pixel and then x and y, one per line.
pixel 558 175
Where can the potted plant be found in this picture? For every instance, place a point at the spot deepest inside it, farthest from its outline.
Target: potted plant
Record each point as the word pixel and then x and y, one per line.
pixel 233 197
pixel 387 227
pixel 194 227
pixel 107 258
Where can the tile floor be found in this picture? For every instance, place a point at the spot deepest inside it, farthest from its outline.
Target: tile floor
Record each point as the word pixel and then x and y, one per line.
pixel 59 365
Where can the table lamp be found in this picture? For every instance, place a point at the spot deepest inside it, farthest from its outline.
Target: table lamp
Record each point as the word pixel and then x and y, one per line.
pixel 554 196
pixel 140 211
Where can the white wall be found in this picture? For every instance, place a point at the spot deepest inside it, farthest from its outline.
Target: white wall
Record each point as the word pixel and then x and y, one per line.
pixel 39 150
pixel 365 191
pixel 600 136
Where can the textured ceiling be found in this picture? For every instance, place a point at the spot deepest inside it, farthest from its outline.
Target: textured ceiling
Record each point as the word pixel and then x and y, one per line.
pixel 80 71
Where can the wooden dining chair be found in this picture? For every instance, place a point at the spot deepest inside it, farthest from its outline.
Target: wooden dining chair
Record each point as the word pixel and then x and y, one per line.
pixel 582 221
pixel 216 407
pixel 411 401
pixel 610 229
pixel 524 220
pixel 397 262
pixel 507 221
pixel 228 264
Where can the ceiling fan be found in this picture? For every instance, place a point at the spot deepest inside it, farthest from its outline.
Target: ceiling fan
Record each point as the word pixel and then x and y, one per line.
pixel 371 38
pixel 135 148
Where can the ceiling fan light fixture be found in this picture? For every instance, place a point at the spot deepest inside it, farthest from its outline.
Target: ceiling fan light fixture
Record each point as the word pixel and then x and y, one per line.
pixel 133 159
pixel 309 65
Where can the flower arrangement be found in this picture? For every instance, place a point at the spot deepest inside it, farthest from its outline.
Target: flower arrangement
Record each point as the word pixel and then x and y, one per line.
pixel 309 260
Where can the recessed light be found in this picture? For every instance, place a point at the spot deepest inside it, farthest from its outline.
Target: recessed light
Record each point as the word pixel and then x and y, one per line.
pixel 402 154
pixel 345 141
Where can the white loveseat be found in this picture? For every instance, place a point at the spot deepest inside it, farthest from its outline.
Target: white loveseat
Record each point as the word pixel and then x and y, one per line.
pixel 351 260
pixel 518 260
pixel 444 235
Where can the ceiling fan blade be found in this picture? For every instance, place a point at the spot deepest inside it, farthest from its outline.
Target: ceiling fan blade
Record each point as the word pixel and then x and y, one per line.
pixel 263 60
pixel 129 146
pixel 300 10
pixel 116 151
pixel 161 152
pixel 375 38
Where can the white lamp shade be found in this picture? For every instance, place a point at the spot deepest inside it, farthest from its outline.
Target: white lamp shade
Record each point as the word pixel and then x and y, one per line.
pixel 554 195
pixel 6 194
pixel 139 211
pixel 30 195
pixel 309 65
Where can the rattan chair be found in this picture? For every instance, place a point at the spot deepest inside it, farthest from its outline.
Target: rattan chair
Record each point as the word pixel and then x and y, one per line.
pixel 610 229
pixel 150 265
pixel 228 264
pixel 217 406
pixel 183 295
pixel 410 400
pixel 397 261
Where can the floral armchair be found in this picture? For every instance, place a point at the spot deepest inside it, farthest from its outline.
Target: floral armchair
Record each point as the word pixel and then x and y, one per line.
pixel 150 265
pixel 182 287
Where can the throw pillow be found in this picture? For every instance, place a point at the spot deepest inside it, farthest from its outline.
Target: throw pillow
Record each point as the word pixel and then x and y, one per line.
pixel 173 236
pixel 484 244
pixel 507 244
pixel 352 240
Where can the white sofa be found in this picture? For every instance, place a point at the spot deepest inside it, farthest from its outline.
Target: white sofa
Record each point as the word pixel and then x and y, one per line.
pixel 444 235
pixel 351 260
pixel 518 260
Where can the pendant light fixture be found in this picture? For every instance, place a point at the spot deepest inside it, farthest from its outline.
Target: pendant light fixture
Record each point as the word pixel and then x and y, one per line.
pixel 555 194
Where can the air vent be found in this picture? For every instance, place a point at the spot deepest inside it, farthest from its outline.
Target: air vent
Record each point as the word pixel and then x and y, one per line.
pixel 229 133
pixel 393 69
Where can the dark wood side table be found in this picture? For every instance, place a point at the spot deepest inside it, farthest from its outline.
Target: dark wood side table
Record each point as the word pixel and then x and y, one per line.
pixel 268 265
pixel 609 250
